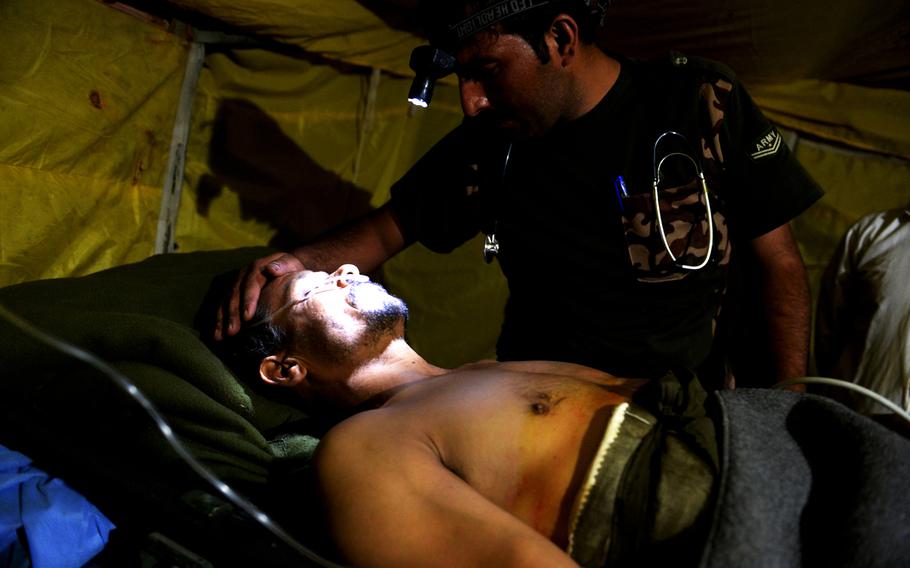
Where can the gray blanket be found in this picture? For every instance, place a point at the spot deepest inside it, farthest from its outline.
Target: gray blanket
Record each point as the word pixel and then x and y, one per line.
pixel 807 482
pixel 801 481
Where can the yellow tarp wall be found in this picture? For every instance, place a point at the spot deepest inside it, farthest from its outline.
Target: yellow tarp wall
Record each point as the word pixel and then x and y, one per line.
pixel 855 141
pixel 87 103
pixel 284 146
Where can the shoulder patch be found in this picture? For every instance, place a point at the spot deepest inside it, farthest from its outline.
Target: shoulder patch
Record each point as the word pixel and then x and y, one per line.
pixel 766 145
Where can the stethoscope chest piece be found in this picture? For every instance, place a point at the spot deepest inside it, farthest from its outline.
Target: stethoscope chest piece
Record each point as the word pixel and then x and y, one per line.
pixel 490 242
pixel 490 247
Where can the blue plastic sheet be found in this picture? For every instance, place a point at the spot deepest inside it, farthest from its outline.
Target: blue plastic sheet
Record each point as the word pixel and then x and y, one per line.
pixel 42 518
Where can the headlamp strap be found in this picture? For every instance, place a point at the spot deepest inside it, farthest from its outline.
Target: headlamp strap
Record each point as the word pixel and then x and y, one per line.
pixel 490 15
pixel 487 17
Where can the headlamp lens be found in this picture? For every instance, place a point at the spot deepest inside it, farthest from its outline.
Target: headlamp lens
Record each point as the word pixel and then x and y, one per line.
pixel 430 64
pixel 421 91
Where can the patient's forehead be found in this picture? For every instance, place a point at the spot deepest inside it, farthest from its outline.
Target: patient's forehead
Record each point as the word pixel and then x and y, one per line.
pixel 279 291
pixel 290 287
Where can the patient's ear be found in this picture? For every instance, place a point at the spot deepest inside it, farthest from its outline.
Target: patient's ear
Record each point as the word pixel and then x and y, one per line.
pixel 282 371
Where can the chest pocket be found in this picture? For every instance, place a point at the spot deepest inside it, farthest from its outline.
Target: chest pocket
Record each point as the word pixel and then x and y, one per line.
pixel 687 233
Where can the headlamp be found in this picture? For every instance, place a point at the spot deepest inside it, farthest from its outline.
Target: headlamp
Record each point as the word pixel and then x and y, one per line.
pixel 429 64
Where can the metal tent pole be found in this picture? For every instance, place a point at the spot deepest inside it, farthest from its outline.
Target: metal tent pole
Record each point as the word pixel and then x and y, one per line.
pixel 173 183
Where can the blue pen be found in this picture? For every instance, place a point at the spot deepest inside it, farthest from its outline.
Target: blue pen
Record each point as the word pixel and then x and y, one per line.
pixel 621 191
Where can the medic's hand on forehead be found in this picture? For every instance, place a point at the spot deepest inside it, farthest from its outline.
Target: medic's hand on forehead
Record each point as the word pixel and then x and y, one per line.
pixel 247 287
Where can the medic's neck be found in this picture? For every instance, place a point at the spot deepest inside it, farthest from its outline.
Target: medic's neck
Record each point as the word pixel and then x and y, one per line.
pixel 596 74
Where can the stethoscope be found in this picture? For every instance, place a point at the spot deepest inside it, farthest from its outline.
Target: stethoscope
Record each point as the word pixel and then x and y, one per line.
pixel 491 242
pixel 704 188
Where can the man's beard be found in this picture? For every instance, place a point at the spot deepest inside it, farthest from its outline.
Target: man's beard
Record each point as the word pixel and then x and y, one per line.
pixel 381 310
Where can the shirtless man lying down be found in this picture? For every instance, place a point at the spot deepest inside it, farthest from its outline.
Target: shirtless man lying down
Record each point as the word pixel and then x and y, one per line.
pixel 490 464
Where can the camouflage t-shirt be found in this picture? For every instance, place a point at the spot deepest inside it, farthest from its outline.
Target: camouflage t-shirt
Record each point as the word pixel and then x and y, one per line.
pixel 595 277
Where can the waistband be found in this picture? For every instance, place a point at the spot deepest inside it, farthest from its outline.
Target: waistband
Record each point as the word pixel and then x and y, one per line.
pixel 644 486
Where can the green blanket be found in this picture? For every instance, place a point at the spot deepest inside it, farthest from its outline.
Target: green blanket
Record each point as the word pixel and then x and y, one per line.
pixel 144 320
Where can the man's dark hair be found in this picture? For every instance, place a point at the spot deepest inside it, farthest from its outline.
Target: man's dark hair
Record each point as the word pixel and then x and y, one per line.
pixel 255 341
pixel 439 16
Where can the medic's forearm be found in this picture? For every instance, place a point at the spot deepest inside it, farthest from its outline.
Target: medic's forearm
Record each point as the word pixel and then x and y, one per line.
pixel 785 301
pixel 366 243
pixel 787 315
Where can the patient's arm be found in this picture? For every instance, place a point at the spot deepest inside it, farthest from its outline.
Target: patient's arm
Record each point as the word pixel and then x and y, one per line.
pixel 391 502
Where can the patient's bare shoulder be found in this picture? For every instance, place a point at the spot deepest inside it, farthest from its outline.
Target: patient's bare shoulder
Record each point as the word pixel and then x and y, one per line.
pixel 389 501
pixel 367 433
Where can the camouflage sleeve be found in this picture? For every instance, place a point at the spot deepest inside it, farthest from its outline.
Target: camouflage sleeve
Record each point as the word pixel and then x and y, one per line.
pixel 766 186
pixel 433 202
